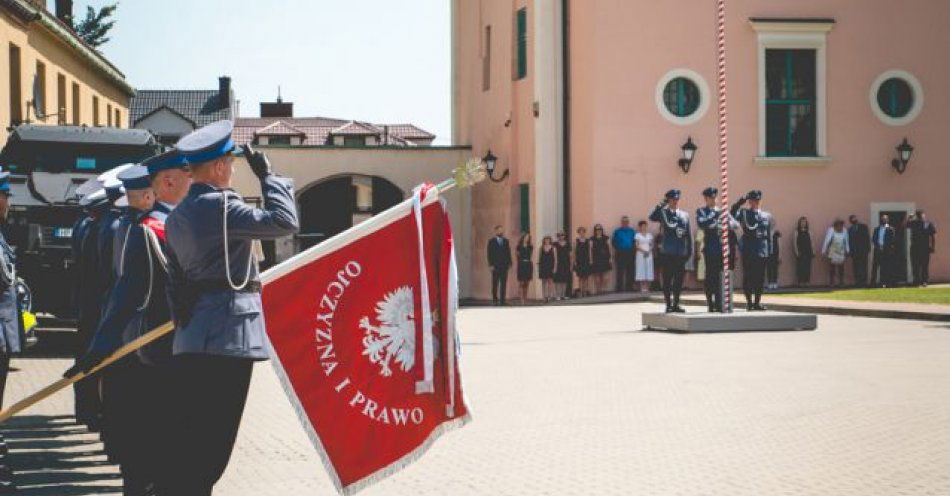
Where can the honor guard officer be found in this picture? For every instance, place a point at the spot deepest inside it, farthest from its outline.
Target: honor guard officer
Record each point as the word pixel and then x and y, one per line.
pixel 756 227
pixel 135 305
pixel 11 326
pixel 86 392
pixel 675 249
pixel 171 180
pixel 105 275
pixel 214 289
pixel 708 219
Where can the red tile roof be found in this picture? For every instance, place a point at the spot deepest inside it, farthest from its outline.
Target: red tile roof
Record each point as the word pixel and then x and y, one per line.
pixel 279 128
pixel 356 128
pixel 318 130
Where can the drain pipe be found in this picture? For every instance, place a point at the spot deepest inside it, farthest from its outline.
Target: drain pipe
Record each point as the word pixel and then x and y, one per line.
pixel 566 113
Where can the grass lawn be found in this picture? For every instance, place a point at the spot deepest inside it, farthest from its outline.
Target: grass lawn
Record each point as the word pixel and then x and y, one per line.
pixel 938 295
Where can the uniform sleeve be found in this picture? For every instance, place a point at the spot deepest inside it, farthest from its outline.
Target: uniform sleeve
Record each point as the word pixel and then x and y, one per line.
pixel 705 220
pixel 174 285
pixel 656 214
pixel 278 218
pixel 127 294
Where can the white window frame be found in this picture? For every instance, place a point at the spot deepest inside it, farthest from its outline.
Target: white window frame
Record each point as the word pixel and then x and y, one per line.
pixel 795 35
pixel 704 96
pixel 915 88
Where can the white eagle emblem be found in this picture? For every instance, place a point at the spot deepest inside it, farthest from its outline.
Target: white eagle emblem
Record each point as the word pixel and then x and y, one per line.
pixel 395 338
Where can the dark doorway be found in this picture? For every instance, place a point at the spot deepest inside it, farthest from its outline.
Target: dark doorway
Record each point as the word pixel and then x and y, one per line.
pixel 385 195
pixel 328 208
pixel 896 219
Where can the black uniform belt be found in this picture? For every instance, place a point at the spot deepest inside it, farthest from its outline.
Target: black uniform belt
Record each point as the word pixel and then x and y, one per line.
pixel 210 285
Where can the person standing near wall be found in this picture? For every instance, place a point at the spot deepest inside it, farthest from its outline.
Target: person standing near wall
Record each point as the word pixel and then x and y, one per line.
pixel 562 268
pixel 885 247
pixel 547 261
pixel 803 253
pixel 644 257
pixel 582 261
pixel 524 252
pixel 859 240
pixel 600 255
pixel 836 249
pixel 923 241
pixel 499 259
pixel 623 241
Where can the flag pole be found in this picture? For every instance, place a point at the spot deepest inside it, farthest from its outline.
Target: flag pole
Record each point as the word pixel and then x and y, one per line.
pixel 463 176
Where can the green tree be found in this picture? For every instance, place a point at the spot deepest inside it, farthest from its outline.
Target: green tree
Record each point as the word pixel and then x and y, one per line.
pixel 95 27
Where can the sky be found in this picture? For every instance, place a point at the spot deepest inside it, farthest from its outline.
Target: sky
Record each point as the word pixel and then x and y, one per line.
pixel 383 61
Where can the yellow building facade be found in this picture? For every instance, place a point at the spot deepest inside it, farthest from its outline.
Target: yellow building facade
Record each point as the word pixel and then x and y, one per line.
pixel 48 75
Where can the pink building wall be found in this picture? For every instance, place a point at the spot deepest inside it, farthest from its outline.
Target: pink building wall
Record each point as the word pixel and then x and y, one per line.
pixel 500 119
pixel 624 153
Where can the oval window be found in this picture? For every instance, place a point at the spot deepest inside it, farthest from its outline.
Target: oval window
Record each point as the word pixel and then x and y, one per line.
pixel 895 97
pixel 681 96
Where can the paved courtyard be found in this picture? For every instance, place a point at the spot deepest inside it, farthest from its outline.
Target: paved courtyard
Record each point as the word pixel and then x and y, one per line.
pixel 575 400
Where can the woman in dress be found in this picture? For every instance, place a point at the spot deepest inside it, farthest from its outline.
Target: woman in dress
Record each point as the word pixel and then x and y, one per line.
pixel 546 265
pixel 644 244
pixel 836 249
pixel 524 250
pixel 803 252
pixel 600 257
pixel 582 262
pixel 562 267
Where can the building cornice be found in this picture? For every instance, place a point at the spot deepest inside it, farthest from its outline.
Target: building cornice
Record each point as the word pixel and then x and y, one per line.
pixel 22 10
pixel 792 24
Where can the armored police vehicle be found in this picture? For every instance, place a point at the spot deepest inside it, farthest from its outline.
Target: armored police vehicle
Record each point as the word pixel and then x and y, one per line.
pixel 47 164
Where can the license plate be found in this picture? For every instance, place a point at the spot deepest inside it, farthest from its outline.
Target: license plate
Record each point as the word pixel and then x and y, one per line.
pixel 63 232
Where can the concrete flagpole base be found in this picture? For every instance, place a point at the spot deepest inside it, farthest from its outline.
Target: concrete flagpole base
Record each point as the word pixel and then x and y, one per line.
pixel 738 321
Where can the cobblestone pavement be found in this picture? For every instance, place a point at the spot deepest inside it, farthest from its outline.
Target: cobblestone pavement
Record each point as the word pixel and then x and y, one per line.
pixel 576 400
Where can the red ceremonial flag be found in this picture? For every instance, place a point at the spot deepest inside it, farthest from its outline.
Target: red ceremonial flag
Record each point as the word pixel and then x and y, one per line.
pixel 362 334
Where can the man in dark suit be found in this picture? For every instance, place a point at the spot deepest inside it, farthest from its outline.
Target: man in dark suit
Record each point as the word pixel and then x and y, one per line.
pixel 885 249
pixel 499 259
pixel 923 240
pixel 859 239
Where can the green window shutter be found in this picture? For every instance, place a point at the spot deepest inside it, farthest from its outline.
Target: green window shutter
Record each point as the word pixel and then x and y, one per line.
pixel 525 207
pixel 522 43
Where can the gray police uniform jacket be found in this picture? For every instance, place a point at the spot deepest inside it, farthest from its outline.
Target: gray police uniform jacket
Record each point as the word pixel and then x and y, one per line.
pixel 11 336
pixel 222 321
pixel 674 224
pixel 756 232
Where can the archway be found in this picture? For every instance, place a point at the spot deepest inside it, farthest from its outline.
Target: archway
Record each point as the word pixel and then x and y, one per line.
pixel 335 204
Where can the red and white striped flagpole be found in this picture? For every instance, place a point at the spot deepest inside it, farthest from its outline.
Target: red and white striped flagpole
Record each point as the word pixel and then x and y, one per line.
pixel 723 154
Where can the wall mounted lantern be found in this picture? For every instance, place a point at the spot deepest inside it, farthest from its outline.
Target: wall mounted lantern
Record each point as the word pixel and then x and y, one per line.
pixel 489 160
pixel 689 150
pixel 904 151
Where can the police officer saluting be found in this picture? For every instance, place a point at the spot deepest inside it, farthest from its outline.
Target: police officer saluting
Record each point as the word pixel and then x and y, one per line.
pixel 756 246
pixel 675 249
pixel 11 326
pixel 708 219
pixel 214 290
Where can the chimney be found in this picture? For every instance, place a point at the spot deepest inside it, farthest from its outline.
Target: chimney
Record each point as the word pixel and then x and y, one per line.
pixel 280 108
pixel 224 91
pixel 64 11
